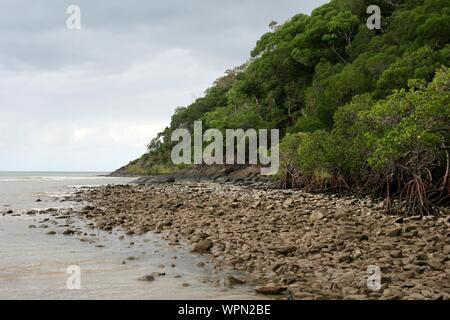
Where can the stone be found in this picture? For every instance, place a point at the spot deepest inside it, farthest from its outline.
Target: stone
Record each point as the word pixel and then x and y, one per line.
pixel 364 237
pixel 68 232
pixel 155 180
pixel 232 281
pixel 396 254
pixel 271 290
pixel 202 246
pixel 148 278
pixel 436 265
pixel 394 232
pixel 284 250
pixel 316 216
pixel 345 258
pixel 407 275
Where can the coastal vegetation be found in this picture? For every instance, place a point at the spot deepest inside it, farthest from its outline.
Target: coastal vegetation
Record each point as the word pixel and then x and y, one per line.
pixel 359 110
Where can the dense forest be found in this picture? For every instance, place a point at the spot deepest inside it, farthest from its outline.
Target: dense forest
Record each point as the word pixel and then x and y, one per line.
pixel 359 110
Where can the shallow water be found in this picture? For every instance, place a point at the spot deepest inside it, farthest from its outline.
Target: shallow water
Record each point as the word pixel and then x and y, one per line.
pixel 33 264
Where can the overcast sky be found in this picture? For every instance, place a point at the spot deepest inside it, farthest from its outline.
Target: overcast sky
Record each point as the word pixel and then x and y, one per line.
pixel 92 99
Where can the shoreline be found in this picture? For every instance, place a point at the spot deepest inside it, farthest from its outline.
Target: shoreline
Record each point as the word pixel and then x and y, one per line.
pixel 288 243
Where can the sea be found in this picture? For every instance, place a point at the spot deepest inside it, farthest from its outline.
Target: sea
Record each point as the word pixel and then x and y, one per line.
pixel 38 266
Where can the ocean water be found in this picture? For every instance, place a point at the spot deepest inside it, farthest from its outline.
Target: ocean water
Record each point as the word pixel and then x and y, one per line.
pixel 20 190
pixel 33 265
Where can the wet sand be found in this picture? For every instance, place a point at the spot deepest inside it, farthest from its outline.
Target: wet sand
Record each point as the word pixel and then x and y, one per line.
pixel 35 254
pixel 34 265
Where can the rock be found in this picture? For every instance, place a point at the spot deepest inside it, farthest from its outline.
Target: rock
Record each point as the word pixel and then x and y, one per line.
pixel 38 200
pixel 415 296
pixel 364 237
pixel 271 290
pixel 165 224
pixel 407 275
pixel 316 216
pixel 185 285
pixel 232 281
pixel 342 212
pixel 68 232
pixel 394 232
pixel 284 250
pixel 51 233
pixel 422 256
pixel 155 180
pixel 202 246
pixel 396 254
pixel 298 294
pixel 355 297
pixel 148 278
pixel 345 258
pixel 436 265
pixel 32 226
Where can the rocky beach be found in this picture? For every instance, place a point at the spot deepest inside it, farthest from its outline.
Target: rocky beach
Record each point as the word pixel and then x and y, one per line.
pixel 285 244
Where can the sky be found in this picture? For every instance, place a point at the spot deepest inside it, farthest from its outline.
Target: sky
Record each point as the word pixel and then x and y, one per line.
pixel 92 99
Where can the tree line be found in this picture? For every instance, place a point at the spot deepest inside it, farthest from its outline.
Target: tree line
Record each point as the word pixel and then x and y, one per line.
pixel 359 110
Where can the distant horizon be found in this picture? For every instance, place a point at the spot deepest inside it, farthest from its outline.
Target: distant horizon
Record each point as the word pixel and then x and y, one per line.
pixel 52 171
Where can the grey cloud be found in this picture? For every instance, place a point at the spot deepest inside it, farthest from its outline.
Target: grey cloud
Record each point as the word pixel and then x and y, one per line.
pixel 107 89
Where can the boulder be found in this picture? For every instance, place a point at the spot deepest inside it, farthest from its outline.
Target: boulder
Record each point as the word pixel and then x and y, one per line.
pixel 202 246
pixel 316 216
pixel 271 290
pixel 233 281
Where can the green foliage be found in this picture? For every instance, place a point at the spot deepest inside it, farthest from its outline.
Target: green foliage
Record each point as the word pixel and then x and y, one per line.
pixel 313 153
pixel 350 102
pixel 415 125
pixel 420 64
pixel 408 131
pixel 289 151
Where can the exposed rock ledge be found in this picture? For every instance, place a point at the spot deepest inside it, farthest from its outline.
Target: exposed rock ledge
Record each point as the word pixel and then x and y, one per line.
pixel 288 242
